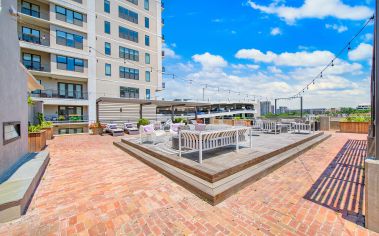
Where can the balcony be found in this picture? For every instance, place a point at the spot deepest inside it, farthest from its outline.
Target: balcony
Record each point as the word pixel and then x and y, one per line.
pixel 61 94
pixel 67 119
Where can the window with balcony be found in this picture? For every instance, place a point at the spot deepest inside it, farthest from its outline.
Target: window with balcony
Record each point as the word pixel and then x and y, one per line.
pixel 107 48
pixel 68 90
pixel 129 73
pixel 147 23
pixel 69 16
pixel 31 61
pixel 107 27
pixel 128 34
pixel 147 76
pixel 70 64
pixel 127 15
pixel 31 35
pixel 147 58
pixel 146 4
pixel 128 54
pixel 30 9
pixel 148 96
pixel 69 40
pixel 70 114
pixel 147 40
pixel 108 69
pixel 107 6
pixel 128 92
pixel 135 2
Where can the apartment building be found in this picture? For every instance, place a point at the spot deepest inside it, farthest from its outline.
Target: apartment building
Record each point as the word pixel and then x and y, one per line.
pixel 80 50
pixel 265 108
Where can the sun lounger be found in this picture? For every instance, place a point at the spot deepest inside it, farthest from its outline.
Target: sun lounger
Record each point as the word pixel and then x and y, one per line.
pixel 112 129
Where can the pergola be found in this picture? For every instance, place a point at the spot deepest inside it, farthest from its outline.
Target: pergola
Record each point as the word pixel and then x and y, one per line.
pixel 143 102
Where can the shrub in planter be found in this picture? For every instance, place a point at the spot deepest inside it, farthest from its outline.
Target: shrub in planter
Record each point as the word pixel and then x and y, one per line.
pixel 36 138
pixel 48 126
pixel 180 120
pixel 96 128
pixel 142 121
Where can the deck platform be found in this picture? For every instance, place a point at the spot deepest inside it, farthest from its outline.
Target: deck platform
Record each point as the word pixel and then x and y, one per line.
pixel 224 171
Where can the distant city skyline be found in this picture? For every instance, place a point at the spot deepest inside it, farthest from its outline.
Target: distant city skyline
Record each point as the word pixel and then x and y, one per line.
pixel 265 48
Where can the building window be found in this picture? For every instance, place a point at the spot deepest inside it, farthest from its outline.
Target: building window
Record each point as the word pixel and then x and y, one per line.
pixel 129 73
pixel 70 63
pixel 128 34
pixel 69 40
pixel 32 62
pixel 11 131
pixel 135 2
pixel 147 40
pixel 127 92
pixel 31 35
pixel 67 90
pixel 148 96
pixel 147 22
pixel 147 58
pixel 107 27
pixel 30 9
pixel 108 69
pixel 107 6
pixel 147 76
pixel 107 48
pixel 70 113
pixel 127 15
pixel 69 16
pixel 146 4
pixel 129 54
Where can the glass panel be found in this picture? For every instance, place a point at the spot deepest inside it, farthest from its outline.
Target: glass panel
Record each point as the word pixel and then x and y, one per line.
pixel 62 89
pixel 60 10
pixel 61 59
pixel 70 90
pixel 78 16
pixel 70 16
pixel 70 40
pixel 78 91
pixel 70 63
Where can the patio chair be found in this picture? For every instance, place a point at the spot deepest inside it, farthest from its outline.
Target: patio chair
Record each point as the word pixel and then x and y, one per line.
pixel 174 128
pixel 112 129
pixel 151 135
pixel 131 129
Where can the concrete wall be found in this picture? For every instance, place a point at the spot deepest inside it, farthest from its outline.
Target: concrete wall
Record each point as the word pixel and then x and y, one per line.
pixel 13 89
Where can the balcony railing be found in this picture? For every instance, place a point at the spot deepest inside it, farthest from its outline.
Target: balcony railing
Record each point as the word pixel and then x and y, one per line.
pixel 33 66
pixel 64 94
pixel 30 12
pixel 57 119
pixel 31 38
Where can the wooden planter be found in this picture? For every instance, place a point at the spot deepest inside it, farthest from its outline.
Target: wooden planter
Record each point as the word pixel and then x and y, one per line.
pixel 354 127
pixel 97 131
pixel 36 141
pixel 49 133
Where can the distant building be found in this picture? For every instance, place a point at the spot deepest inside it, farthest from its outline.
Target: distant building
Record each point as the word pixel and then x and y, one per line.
pixel 313 111
pixel 363 107
pixel 265 107
pixel 282 110
pixel 272 109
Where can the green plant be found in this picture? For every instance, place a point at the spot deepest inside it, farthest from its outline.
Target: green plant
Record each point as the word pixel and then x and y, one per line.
pixel 74 118
pixel 96 125
pixel 46 124
pixel 356 119
pixel 30 101
pixel 143 121
pixel 40 117
pixel 61 118
pixel 34 128
pixel 237 118
pixel 180 120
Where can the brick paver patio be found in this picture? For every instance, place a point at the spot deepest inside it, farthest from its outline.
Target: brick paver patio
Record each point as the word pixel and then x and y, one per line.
pixel 91 187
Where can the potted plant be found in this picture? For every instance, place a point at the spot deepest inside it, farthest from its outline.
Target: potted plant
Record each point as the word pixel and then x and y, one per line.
pixel 143 122
pixel 36 138
pixel 355 124
pixel 180 120
pixel 96 128
pixel 48 126
pixel 61 118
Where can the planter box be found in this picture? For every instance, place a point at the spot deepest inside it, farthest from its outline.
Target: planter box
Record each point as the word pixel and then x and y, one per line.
pixel 36 141
pixel 354 127
pixel 49 133
pixel 97 131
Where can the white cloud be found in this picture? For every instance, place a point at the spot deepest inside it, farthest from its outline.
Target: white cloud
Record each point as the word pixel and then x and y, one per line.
pixel 304 59
pixel 362 52
pixel 218 20
pixel 209 61
pixel 314 9
pixel 274 69
pixel 245 66
pixel 276 31
pixel 169 53
pixel 338 28
pixel 367 37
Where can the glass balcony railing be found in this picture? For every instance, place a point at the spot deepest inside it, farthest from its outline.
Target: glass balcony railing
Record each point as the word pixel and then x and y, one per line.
pixel 72 118
pixel 64 94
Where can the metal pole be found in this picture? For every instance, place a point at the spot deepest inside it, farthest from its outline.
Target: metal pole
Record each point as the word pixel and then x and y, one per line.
pixel 203 94
pixel 140 111
pixel 301 107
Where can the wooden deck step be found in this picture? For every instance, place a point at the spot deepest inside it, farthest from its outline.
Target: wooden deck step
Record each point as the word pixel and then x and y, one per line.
pixel 216 192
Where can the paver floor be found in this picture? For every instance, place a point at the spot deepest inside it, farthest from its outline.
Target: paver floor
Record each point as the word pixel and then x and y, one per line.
pixel 91 187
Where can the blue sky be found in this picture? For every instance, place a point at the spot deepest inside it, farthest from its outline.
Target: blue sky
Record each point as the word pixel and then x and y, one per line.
pixel 268 49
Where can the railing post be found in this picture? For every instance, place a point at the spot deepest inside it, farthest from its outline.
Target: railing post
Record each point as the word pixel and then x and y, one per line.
pixel 180 144
pixel 251 137
pixel 237 141
pixel 200 148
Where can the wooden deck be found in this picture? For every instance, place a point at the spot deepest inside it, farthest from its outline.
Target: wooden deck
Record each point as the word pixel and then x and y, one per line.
pixel 223 171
